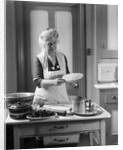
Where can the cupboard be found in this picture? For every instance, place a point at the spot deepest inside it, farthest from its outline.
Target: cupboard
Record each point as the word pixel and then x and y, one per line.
pixel 107 50
pixel 109 100
pixel 107 31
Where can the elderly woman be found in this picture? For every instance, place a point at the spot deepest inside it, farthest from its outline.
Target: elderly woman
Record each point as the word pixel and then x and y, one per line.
pixel 50 66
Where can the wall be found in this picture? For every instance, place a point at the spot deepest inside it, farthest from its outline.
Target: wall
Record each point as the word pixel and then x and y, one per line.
pixel 10 54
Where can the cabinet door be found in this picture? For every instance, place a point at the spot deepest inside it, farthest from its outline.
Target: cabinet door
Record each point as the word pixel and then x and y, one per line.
pixel 109 101
pixel 107 31
pixel 112 124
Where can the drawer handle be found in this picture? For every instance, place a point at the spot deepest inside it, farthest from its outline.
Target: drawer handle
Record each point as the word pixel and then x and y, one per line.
pixel 60 127
pixel 114 98
pixel 61 140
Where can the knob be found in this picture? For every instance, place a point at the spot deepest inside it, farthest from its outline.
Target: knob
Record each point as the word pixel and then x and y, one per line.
pixel 114 97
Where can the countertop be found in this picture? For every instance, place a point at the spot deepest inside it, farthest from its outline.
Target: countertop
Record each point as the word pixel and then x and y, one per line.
pixel 106 86
pixel 69 118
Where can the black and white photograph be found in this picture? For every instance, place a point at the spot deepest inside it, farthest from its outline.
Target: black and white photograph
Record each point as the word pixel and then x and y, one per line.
pixel 61 75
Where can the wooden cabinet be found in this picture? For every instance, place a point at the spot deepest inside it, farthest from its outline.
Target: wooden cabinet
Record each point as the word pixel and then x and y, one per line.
pixel 52 134
pixel 59 131
pixel 65 133
pixel 109 101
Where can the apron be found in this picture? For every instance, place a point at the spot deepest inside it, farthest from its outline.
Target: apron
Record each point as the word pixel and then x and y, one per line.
pixel 53 94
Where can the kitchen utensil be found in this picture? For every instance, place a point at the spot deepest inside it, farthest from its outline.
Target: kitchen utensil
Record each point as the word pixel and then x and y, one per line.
pixel 22 97
pixel 72 77
pixel 19 115
pixel 18 110
pixel 78 104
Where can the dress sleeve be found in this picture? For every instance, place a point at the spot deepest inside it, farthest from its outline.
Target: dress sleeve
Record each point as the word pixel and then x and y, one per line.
pixel 37 72
pixel 67 69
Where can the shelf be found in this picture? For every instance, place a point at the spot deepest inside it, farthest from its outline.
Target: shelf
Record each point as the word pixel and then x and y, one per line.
pixel 106 86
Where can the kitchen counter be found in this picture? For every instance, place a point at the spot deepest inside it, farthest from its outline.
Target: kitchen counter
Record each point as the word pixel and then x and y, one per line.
pixel 61 129
pixel 69 118
pixel 106 86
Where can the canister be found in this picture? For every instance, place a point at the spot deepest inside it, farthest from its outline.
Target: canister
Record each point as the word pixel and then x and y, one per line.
pixel 78 104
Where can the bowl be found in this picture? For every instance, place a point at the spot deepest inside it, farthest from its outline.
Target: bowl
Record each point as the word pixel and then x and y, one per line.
pixel 21 97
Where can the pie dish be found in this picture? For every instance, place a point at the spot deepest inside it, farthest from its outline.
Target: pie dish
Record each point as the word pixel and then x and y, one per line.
pixel 40 118
pixel 41 115
pixel 72 77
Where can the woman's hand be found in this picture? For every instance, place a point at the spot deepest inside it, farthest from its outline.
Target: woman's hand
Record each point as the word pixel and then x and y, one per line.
pixel 53 82
pixel 59 81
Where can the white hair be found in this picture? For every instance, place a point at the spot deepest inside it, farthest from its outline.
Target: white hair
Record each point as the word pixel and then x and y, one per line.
pixel 46 35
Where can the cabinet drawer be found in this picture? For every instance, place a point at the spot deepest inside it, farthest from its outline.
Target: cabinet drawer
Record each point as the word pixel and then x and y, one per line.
pixel 112 97
pixel 65 127
pixel 63 139
pixel 53 128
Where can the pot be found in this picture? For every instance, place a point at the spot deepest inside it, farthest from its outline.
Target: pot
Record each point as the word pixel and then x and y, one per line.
pixel 18 110
pixel 18 116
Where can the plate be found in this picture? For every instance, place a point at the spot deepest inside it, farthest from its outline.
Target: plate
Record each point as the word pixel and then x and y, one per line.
pixel 72 77
pixel 41 114
pixel 92 113
pixel 40 118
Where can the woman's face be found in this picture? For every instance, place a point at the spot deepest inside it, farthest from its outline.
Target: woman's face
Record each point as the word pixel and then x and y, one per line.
pixel 50 46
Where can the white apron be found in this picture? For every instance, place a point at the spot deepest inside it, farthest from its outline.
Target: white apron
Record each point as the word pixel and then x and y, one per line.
pixel 53 94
